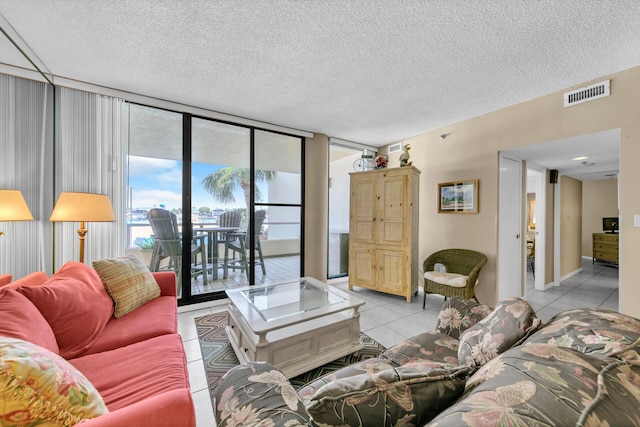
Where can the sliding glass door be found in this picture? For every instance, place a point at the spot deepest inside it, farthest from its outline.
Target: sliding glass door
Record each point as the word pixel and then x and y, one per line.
pixel 220 181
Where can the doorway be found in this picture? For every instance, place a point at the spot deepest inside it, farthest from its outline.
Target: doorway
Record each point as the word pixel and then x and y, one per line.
pixel 584 158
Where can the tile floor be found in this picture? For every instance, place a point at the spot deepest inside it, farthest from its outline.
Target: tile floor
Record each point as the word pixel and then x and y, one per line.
pixel 390 319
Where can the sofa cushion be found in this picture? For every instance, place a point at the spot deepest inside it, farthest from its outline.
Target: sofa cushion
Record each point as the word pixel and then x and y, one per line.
pixel 155 318
pixel 542 384
pixel 457 315
pixel 411 394
pixel 144 369
pixel 38 387
pixel 433 346
pixel 20 319
pixel 511 321
pixel 75 305
pixel 592 331
pixel 128 281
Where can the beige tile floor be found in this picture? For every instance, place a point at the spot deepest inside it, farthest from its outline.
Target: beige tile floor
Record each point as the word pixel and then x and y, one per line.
pixel 390 319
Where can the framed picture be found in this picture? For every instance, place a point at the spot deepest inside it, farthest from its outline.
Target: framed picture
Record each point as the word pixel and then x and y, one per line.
pixel 458 197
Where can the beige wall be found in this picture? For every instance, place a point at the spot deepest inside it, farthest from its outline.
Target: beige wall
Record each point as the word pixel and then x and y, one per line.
pixel 599 200
pixel 570 225
pixel 471 152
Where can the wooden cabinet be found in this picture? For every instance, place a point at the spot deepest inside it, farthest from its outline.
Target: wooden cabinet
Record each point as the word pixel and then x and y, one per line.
pixel 605 247
pixel 383 231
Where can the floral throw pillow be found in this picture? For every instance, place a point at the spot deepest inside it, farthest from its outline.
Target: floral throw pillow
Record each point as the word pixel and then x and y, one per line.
pixel 457 315
pixel 38 387
pixel 408 395
pixel 511 321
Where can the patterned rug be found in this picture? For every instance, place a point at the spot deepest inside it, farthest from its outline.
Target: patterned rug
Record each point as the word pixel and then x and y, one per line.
pixel 218 356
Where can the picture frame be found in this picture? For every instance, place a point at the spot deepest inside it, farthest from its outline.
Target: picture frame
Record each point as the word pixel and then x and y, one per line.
pixel 458 197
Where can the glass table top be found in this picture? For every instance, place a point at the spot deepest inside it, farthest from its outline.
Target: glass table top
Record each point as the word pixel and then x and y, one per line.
pixel 273 302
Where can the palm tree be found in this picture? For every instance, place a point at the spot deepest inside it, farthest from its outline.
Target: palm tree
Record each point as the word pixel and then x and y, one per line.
pixel 222 183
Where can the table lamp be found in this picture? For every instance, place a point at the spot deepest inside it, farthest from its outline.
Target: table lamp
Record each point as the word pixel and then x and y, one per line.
pixel 82 207
pixel 13 207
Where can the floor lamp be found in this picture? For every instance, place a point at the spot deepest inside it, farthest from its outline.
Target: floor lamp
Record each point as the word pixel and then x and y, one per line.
pixel 82 207
pixel 13 207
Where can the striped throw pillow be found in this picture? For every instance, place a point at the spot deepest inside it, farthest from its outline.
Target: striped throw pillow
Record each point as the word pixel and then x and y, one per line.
pixel 128 281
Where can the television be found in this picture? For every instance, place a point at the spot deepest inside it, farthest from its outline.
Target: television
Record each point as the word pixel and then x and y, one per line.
pixel 610 225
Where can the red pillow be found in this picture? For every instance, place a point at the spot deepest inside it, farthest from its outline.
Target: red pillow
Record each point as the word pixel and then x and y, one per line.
pixel 20 319
pixel 75 304
pixel 5 279
pixel 33 279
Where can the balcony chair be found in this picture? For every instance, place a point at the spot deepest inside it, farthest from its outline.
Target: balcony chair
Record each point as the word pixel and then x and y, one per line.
pixel 168 244
pixel 228 220
pixel 456 274
pixel 237 242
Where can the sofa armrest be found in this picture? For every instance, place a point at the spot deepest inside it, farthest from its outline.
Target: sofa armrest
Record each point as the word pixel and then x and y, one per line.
pixel 171 409
pixel 167 282
pixel 259 389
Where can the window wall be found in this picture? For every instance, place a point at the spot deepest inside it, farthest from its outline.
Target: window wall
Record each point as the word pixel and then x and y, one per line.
pixel 208 172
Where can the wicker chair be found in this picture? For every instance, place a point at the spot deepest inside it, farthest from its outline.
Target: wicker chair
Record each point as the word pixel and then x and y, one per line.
pixel 463 262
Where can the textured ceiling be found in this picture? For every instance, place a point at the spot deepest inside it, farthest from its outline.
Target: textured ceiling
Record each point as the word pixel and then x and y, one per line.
pixel 370 71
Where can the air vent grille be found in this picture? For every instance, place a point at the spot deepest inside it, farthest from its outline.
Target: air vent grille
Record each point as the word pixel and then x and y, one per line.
pixel 589 93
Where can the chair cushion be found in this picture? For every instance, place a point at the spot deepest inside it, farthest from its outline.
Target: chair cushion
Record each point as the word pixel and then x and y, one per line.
pixel 457 315
pixel 38 387
pixel 450 279
pixel 20 319
pixel 411 394
pixel 128 281
pixel 75 304
pixel 511 321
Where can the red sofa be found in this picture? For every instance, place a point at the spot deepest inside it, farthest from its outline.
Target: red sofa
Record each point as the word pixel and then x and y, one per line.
pixel 136 362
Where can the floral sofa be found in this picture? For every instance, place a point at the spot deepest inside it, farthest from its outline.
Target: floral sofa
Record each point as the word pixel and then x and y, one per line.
pixel 480 367
pixel 98 347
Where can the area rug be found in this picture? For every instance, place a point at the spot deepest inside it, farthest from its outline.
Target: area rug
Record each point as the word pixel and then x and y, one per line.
pixel 218 356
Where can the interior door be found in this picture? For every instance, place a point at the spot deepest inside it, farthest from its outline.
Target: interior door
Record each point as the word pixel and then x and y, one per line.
pixel 510 229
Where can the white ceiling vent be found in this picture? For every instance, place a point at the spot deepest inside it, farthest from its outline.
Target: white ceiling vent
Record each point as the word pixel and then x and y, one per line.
pixel 588 93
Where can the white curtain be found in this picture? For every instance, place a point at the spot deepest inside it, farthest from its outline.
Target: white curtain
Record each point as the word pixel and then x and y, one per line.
pixel 25 152
pixel 91 134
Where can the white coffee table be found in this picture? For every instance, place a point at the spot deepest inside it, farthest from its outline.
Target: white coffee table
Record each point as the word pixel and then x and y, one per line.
pixel 296 326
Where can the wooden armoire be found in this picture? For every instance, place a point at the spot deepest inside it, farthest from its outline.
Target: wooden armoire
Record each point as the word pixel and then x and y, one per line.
pixel 383 230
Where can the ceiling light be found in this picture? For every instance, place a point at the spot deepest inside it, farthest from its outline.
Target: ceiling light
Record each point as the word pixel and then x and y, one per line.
pixel 580 158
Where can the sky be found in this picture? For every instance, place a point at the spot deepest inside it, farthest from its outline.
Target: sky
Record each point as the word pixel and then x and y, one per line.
pixel 157 181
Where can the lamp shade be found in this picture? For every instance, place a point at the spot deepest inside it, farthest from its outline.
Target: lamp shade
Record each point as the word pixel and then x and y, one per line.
pixel 13 207
pixel 80 207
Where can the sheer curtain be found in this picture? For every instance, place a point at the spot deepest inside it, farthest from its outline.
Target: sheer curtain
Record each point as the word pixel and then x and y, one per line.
pixel 91 134
pixel 25 149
